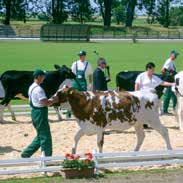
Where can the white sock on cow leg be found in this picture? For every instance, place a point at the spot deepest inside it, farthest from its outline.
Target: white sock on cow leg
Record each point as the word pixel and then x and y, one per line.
pixel 58 113
pixel 140 135
pixel 1 113
pixel 11 111
pixel 77 137
pixel 180 119
pixel 100 140
pixel 156 124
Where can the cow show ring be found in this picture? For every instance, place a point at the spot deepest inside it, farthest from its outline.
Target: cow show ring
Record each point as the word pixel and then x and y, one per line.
pixel 117 151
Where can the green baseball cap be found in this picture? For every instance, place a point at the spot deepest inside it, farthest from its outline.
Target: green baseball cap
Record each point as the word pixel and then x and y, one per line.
pixel 174 52
pixel 38 72
pixel 82 53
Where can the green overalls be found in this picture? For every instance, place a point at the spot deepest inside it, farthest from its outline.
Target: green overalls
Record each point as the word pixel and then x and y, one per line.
pixel 169 94
pixel 81 83
pixel 43 139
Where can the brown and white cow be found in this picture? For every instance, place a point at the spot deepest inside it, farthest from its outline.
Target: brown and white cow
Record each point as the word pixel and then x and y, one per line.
pixel 179 94
pixel 98 111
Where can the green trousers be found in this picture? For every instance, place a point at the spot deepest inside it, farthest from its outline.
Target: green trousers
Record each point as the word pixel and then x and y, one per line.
pixel 169 94
pixel 43 138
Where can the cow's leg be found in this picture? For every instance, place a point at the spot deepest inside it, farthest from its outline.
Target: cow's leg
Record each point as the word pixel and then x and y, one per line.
pixel 58 113
pixel 160 107
pixel 156 124
pixel 140 135
pixel 179 117
pixel 100 140
pixel 11 111
pixel 77 137
pixel 1 113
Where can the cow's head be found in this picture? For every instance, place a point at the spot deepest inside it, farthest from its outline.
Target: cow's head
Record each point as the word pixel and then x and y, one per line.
pixel 65 72
pixel 179 83
pixel 62 94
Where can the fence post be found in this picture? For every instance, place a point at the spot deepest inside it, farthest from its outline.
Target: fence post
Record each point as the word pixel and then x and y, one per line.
pixel 94 152
pixel 42 164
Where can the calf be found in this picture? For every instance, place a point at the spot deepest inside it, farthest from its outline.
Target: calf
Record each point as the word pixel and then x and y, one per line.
pixel 98 111
pixel 179 94
pixel 16 83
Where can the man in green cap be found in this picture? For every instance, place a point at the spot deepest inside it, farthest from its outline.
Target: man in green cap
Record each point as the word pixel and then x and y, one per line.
pixel 169 69
pixel 82 69
pixel 39 114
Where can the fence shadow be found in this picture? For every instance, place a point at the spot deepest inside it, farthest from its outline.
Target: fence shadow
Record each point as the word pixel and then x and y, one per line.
pixel 7 149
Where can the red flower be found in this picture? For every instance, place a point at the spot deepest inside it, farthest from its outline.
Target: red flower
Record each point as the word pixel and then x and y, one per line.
pixel 67 155
pixel 71 156
pixel 89 156
pixel 77 157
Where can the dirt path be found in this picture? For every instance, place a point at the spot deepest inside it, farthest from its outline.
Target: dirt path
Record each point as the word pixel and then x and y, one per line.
pixel 16 136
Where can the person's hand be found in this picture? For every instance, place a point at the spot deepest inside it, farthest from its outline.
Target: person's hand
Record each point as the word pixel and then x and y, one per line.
pixel 90 86
pixel 50 102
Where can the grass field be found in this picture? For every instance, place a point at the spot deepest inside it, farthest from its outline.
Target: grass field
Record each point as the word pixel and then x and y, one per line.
pixel 120 56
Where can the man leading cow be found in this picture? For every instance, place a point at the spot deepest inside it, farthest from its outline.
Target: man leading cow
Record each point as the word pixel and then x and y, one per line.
pixel 169 69
pixel 39 103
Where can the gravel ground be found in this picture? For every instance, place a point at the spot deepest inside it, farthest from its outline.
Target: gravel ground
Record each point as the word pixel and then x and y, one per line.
pixel 15 136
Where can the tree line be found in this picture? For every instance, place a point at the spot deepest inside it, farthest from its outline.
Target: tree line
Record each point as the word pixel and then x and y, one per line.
pixel 122 11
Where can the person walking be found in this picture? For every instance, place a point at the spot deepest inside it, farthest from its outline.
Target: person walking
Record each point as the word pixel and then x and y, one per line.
pixel 99 79
pixel 82 69
pixel 39 104
pixel 169 69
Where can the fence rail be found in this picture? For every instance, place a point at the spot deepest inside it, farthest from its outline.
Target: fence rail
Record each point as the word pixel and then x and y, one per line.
pixel 102 160
pixel 96 33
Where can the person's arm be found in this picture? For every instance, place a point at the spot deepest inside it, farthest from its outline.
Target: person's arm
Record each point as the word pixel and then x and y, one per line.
pixel 163 70
pixel 46 102
pixel 137 86
pixel 137 83
pixel 90 75
pixel 167 84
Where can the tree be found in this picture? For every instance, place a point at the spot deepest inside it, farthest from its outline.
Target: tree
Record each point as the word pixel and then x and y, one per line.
pixel 163 12
pixel 80 10
pixel 131 4
pixel 59 14
pixel 150 6
pixel 176 16
pixel 119 11
pixel 105 10
pixel 7 4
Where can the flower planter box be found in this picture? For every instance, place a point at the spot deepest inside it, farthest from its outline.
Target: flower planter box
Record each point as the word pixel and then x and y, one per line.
pixel 75 173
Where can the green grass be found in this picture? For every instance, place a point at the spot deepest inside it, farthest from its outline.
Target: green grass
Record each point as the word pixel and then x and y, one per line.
pixel 120 56
pixel 105 176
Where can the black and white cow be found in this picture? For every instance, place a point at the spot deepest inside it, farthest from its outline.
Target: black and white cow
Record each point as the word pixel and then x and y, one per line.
pixel 125 80
pixel 16 83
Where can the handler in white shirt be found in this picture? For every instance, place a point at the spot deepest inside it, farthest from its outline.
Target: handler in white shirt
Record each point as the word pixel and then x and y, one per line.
pixel 148 81
pixel 82 69
pixel 170 69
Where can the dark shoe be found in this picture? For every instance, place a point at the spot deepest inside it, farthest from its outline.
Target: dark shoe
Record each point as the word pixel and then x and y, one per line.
pixel 24 156
pixel 145 126
pixel 167 114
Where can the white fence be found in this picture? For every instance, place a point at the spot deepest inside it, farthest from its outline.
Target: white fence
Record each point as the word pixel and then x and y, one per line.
pixel 102 160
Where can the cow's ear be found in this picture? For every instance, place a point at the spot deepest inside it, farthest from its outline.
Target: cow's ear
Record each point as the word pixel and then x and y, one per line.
pixel 57 67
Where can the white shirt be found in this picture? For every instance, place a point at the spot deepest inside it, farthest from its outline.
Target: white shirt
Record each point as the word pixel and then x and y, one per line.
pixel 81 66
pixel 145 83
pixel 169 65
pixel 36 94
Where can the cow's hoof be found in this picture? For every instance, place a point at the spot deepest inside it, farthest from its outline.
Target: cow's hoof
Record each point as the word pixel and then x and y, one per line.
pixel 14 119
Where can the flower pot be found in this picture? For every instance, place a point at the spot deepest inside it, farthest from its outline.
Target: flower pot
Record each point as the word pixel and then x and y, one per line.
pixel 77 173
